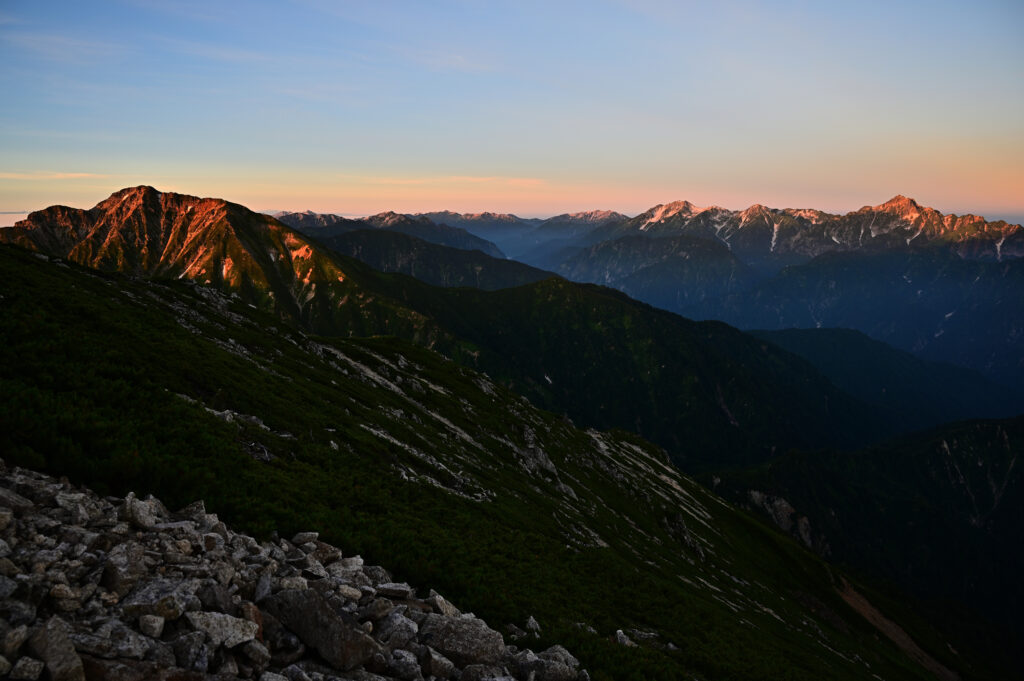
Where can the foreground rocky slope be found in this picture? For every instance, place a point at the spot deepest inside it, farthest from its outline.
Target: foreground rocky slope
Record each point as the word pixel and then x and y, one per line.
pixel 123 590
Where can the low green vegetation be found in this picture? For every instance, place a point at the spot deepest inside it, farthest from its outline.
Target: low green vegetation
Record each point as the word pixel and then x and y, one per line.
pixel 428 468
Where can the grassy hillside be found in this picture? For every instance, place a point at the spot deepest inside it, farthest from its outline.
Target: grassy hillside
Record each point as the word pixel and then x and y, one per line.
pixel 424 466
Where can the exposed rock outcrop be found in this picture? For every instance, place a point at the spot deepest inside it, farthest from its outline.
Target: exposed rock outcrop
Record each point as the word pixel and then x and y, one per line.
pixel 124 590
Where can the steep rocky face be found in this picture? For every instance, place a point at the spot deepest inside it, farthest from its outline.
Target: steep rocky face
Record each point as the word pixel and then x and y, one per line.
pixel 114 589
pixel 142 232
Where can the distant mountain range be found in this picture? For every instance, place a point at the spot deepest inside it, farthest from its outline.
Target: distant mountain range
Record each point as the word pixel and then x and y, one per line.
pixel 944 287
pixel 323 225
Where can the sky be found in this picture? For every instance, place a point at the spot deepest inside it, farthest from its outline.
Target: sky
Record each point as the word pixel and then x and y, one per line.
pixel 534 108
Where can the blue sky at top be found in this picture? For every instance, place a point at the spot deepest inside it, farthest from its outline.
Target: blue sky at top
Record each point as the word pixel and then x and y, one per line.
pixel 529 107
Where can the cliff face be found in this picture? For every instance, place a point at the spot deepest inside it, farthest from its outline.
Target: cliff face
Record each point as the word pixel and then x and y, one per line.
pixel 121 589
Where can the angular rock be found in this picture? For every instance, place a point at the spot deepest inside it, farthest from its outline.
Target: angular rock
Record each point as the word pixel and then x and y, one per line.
pixel 305 538
pixel 5 666
pixel 27 669
pixel 396 630
pixel 166 598
pixel 376 574
pixel 271 676
pixel 216 597
pixel 144 514
pixel 191 651
pixel 124 568
pixel 13 500
pixel 435 664
pixel 52 644
pixel 309 615
pixel 13 640
pixel 441 606
pixel 113 639
pixel 622 639
pixel 223 629
pixel 294 583
pixel 394 590
pixel 404 665
pixel 256 652
pixel 151 625
pixel 464 640
pixel 484 672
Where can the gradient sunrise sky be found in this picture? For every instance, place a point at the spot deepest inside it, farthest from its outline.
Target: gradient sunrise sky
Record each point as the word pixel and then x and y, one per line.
pixel 535 108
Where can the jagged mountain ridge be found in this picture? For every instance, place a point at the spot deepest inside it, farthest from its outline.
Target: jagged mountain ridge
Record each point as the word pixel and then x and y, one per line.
pixel 427 467
pixel 760 233
pixel 144 232
pixel 734 389
pixel 325 225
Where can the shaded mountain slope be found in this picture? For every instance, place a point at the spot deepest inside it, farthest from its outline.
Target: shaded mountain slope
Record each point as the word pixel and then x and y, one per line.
pixel 323 225
pixel 921 394
pixel 429 468
pixel 433 264
pixel 711 395
pixel 934 304
pixel 673 273
pixel 937 513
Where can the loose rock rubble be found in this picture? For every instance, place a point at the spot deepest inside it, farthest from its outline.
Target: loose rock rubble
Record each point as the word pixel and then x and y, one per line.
pixel 124 590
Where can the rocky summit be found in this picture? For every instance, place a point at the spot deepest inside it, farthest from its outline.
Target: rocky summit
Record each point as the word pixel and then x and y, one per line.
pixel 124 590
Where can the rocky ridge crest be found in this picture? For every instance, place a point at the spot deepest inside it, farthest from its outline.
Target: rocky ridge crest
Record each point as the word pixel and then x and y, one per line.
pixel 123 590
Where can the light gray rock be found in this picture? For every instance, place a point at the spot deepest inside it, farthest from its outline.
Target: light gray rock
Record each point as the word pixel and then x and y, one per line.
pixel 144 514
pixel 223 629
pixel 166 598
pixel 305 538
pixel 464 640
pixel 396 630
pixel 151 625
pixel 622 639
pixel 442 606
pixel 403 665
pixel 394 590
pixel 335 638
